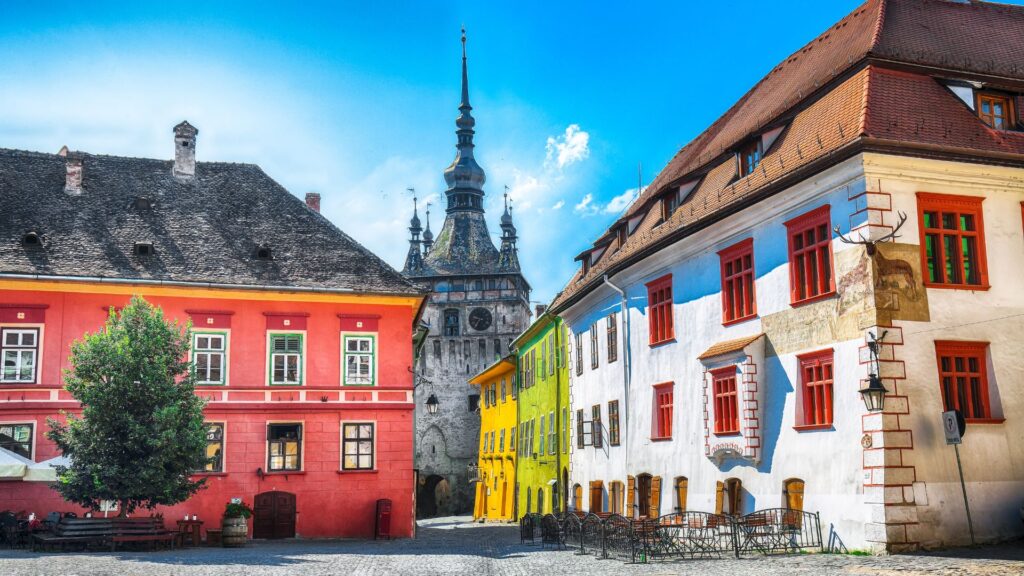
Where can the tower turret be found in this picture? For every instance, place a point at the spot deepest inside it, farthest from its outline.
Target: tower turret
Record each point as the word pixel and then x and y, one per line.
pixel 509 257
pixel 414 259
pixel 428 236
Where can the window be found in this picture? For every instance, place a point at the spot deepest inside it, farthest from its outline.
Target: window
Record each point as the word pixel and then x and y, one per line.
pixel 533 437
pixel 284 447
pixel 580 441
pixel 214 447
pixel 512 439
pixel 482 350
pixel 613 337
pixel 726 411
pixel 542 422
pixel 474 402
pixel 359 360
pixel 730 497
pixel 738 300
pixel 595 425
pixel 613 422
pixel 543 358
pixel 659 307
pixel 565 430
pixel 750 157
pixel 552 438
pixel 208 353
pixel 504 391
pixel 810 256
pixel 615 494
pixel 497 349
pixel 996 110
pixel 593 346
pixel 963 378
pixel 286 358
pixel 669 204
pixel 551 354
pixel 17 438
pixel 357 440
pixel 501 441
pixel 816 385
pixel 681 484
pixel 952 241
pixel 451 322
pixel 662 411
pixel 20 350
pixel 579 354
pixel 437 350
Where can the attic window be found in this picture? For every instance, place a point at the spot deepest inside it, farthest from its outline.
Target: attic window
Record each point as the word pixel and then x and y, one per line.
pixel 31 240
pixel 143 249
pixel 263 252
pixel 669 204
pixel 586 263
pixel 996 110
pixel 142 203
pixel 622 234
pixel 750 157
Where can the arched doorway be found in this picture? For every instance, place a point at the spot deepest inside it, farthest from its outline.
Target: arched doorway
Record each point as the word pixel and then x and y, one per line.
pixel 565 488
pixel 432 495
pixel 793 494
pixel 577 497
pixel 274 515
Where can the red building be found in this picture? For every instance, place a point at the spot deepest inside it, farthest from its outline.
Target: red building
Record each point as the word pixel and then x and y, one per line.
pixel 302 338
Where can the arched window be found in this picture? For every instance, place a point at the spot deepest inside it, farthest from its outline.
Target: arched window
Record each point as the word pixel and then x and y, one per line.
pixel 793 494
pixel 728 497
pixel 540 500
pixel 529 495
pixel 680 485
pixel 577 497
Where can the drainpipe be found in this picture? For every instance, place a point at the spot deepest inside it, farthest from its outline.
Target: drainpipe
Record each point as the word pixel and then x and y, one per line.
pixel 625 362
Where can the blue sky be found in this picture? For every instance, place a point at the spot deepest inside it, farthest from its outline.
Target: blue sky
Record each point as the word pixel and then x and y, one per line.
pixel 358 101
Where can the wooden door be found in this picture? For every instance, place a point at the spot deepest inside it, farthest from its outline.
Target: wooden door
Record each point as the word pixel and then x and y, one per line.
pixel 274 515
pixel 643 496
pixel 793 492
pixel 597 496
pixel 577 497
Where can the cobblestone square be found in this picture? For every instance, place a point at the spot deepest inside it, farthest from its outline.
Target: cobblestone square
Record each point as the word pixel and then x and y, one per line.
pixel 453 546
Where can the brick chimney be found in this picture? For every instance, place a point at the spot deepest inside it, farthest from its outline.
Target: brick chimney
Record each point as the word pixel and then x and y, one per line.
pixel 541 308
pixel 73 180
pixel 313 201
pixel 185 150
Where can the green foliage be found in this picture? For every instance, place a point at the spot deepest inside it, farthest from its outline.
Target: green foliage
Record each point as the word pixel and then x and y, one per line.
pixel 241 510
pixel 141 433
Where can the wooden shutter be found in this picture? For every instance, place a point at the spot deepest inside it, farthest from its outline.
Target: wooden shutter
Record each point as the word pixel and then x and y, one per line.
pixel 681 485
pixel 719 497
pixel 655 497
pixel 794 494
pixel 630 489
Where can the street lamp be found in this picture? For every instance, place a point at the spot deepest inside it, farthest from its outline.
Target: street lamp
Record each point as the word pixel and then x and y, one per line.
pixel 874 393
pixel 432 404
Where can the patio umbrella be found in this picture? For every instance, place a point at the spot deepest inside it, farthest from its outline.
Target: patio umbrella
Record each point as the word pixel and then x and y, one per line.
pixel 44 471
pixel 12 465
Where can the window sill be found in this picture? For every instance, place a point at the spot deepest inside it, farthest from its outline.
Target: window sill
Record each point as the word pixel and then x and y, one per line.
pixel 286 473
pixel 819 297
pixel 985 420
pixel 739 320
pixel 286 384
pixel 813 427
pixel 661 343
pixel 374 471
pixel 726 434
pixel 965 287
pixel 206 474
pixel 13 383
pixel 661 438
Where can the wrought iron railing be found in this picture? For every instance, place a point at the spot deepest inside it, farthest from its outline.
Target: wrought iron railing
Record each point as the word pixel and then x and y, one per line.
pixel 676 535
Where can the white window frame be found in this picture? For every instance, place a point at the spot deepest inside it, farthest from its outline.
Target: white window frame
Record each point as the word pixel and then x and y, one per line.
pixel 373 354
pixel 302 445
pixel 552 437
pixel 36 329
pixel 32 442
pixel 271 354
pixel 373 455
pixel 225 336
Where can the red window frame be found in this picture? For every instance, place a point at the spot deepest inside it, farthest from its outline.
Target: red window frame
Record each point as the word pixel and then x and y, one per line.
pixel 963 378
pixel 725 392
pixel 937 237
pixel 817 376
pixel 663 402
pixel 739 299
pixel 659 308
pixel 810 245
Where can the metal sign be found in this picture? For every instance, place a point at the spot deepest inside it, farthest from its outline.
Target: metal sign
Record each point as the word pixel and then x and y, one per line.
pixel 953 426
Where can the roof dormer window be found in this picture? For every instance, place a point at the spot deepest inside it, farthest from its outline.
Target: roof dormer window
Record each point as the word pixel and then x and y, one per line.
pixel 669 203
pixel 750 157
pixel 143 249
pixel 586 263
pixel 142 203
pixel 31 240
pixel 621 235
pixel 263 252
pixel 995 109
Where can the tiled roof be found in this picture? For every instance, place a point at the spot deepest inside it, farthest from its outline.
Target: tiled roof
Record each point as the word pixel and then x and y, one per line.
pixel 205 229
pixel 729 346
pixel 832 97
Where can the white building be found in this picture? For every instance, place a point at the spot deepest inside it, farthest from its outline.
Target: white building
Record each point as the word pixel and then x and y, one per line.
pixel 734 373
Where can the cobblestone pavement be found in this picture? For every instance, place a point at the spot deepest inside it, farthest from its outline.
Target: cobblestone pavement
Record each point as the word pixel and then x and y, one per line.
pixel 452 546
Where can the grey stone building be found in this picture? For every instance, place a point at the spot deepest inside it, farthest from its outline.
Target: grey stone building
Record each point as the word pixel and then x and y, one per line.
pixel 478 303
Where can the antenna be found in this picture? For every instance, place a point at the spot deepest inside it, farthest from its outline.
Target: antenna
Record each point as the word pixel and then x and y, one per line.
pixel 639 177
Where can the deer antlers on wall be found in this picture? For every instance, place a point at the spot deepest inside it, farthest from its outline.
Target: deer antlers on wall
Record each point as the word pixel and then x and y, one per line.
pixel 869 245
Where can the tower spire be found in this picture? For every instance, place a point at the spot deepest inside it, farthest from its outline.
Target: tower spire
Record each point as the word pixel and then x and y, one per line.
pixel 465 178
pixel 465 75
pixel 428 236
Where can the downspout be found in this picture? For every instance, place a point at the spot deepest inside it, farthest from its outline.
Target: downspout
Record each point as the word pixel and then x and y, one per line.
pixel 558 415
pixel 625 363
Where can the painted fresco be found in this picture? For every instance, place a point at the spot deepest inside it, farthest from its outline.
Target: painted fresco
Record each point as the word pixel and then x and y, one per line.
pixel 899 284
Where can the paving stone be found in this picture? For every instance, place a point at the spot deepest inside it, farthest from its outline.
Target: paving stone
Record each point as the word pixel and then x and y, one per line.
pixel 457 547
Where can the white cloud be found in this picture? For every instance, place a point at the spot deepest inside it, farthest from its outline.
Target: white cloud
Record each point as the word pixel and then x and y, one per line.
pixel 570 147
pixel 584 206
pixel 619 203
pixel 558 205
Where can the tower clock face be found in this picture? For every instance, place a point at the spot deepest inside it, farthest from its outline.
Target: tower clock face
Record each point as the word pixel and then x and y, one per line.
pixel 480 318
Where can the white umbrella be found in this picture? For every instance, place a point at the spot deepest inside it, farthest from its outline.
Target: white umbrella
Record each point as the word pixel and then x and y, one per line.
pixel 12 465
pixel 45 471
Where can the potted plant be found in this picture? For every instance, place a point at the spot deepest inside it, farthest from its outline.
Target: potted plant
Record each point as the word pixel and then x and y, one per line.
pixel 234 525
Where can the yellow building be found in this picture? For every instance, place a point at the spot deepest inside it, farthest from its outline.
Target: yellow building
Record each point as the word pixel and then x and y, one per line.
pixel 495 488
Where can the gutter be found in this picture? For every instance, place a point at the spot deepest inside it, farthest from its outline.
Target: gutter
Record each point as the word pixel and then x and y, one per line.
pixel 625 363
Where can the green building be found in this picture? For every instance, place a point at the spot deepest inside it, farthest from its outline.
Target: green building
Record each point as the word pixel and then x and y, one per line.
pixel 542 463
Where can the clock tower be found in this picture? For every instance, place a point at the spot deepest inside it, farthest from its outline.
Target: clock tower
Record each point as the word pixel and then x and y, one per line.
pixel 478 303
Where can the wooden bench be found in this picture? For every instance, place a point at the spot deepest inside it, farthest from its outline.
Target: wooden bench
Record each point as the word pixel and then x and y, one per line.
pixel 94 532
pixel 140 530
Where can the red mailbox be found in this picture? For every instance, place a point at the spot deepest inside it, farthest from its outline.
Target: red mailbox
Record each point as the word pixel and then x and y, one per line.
pixel 383 529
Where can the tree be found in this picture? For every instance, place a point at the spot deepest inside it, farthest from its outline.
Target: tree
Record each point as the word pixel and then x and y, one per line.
pixel 141 432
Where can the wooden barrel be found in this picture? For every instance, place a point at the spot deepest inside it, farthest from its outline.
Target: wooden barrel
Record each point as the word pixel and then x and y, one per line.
pixel 234 532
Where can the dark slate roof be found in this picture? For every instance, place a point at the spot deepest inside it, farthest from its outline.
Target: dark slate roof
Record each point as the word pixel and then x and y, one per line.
pixel 463 247
pixel 204 229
